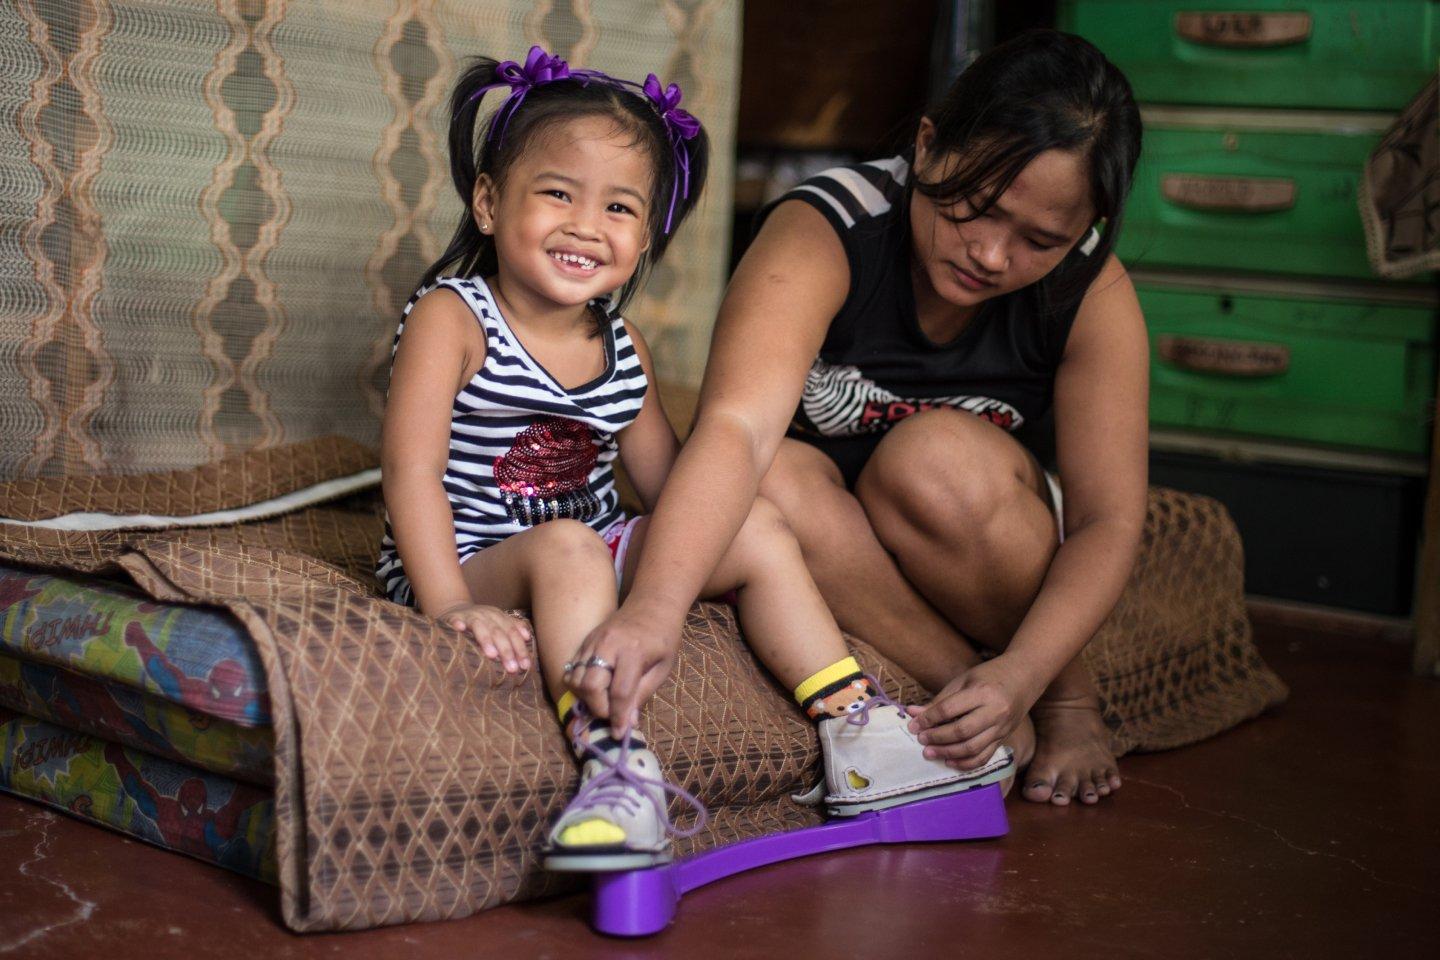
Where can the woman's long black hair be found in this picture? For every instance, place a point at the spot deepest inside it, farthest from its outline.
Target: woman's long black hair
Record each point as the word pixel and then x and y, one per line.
pixel 1043 90
pixel 470 251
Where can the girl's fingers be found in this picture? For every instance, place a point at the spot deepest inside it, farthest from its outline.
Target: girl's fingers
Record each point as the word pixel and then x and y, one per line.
pixel 510 652
pixel 483 637
pixel 522 647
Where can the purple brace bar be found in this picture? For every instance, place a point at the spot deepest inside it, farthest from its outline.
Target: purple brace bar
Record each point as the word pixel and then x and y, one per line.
pixel 637 903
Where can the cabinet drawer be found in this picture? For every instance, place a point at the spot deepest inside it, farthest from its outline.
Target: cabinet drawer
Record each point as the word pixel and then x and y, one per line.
pixel 1336 54
pixel 1257 191
pixel 1335 537
pixel 1303 366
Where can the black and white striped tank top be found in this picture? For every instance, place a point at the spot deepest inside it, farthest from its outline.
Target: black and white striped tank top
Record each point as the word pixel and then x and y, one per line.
pixel 876 365
pixel 523 449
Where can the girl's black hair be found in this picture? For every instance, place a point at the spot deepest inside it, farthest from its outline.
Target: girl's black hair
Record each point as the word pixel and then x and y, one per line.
pixel 1042 90
pixel 545 105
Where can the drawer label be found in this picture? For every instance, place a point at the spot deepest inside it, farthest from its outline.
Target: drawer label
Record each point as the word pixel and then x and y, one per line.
pixel 1243 29
pixel 1213 192
pixel 1236 358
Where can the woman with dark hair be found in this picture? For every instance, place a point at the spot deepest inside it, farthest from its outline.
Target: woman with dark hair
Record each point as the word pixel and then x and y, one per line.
pixel 884 369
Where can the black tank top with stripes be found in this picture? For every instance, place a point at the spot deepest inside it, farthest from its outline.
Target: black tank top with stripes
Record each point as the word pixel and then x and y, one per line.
pixel 876 366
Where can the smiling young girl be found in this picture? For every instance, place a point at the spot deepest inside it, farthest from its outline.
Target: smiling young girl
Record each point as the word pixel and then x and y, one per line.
pixel 516 383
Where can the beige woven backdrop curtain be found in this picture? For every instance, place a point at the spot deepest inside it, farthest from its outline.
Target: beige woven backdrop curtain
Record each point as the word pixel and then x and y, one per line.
pixel 211 213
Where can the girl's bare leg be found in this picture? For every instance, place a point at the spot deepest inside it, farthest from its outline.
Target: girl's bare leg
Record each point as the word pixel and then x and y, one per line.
pixel 785 619
pixel 563 573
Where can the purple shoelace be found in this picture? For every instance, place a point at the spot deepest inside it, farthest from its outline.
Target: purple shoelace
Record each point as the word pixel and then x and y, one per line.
pixel 880 699
pixel 608 788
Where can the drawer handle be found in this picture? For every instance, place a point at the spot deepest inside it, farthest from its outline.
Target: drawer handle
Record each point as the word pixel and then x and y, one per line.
pixel 1243 30
pixel 1236 358
pixel 1246 194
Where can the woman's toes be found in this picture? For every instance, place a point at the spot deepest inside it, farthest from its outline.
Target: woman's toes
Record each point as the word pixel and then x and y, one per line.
pixel 1064 790
pixel 1113 779
pixel 1086 792
pixel 1037 789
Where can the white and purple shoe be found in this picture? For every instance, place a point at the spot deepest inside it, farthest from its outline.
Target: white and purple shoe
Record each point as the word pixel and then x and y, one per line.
pixel 619 819
pixel 873 761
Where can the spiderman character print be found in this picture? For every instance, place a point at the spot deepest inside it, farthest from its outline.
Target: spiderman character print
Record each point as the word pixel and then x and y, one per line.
pixel 545 475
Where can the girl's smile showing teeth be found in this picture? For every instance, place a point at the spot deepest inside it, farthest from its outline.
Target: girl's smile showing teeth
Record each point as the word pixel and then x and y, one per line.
pixel 575 262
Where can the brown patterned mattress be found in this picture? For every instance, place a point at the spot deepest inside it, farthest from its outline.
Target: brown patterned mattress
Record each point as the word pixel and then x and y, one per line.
pixel 411 779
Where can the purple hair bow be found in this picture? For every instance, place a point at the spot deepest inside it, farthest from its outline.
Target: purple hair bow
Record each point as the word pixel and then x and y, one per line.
pixel 540 67
pixel 681 126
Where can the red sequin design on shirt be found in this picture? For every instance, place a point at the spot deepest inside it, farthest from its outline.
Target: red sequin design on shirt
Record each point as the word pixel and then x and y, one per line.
pixel 546 473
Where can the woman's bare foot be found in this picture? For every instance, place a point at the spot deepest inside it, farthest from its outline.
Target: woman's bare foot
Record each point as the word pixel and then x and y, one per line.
pixel 1072 754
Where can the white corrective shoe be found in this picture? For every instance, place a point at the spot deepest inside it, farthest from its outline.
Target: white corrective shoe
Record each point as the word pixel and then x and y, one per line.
pixel 873 761
pixel 618 819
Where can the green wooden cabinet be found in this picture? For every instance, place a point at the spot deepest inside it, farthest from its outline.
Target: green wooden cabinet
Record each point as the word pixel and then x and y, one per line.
pixel 1255 191
pixel 1335 54
pixel 1320 365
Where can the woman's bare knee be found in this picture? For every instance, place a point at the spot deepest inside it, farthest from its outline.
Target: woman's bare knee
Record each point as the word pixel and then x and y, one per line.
pixel 940 476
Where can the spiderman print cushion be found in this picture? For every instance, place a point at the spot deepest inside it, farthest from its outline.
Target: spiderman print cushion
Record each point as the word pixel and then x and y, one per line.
pixel 197 657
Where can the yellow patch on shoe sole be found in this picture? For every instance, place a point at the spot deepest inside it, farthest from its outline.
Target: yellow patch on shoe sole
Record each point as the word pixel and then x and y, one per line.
pixel 591 833
pixel 856 781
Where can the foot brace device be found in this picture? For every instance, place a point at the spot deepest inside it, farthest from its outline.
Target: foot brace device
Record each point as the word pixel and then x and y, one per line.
pixel 638 903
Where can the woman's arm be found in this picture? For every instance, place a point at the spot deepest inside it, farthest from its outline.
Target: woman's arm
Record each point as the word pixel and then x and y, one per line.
pixel 780 302
pixel 1101 417
pixel 1102 393
pixel 648 446
pixel 435 357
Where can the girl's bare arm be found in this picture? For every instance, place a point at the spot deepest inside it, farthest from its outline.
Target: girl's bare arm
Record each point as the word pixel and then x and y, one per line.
pixel 648 446
pixel 439 351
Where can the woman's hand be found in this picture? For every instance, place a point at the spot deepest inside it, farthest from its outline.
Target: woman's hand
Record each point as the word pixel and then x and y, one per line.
pixel 502 637
pixel 974 713
pixel 640 646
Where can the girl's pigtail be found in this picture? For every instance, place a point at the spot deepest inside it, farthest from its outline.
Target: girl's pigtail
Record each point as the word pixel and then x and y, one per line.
pixel 469 248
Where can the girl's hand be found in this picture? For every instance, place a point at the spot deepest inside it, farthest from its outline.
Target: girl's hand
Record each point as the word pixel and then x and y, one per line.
pixel 974 713
pixel 501 636
pixel 641 646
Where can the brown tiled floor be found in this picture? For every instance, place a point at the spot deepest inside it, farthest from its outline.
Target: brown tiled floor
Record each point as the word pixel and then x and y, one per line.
pixel 1312 833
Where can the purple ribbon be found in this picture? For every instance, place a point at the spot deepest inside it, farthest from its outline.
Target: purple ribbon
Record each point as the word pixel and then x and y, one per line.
pixel 681 126
pixel 540 67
